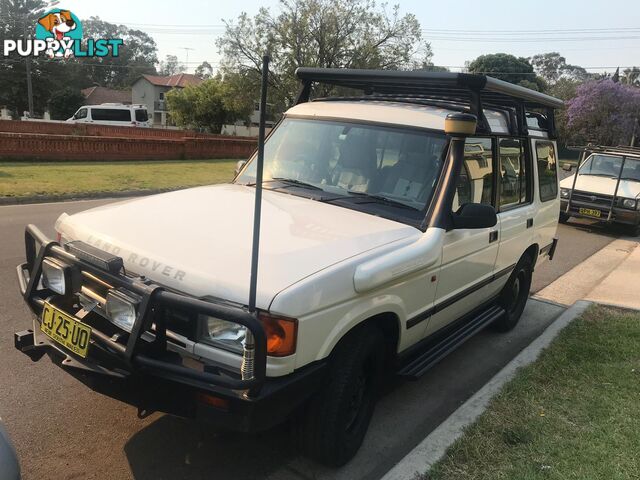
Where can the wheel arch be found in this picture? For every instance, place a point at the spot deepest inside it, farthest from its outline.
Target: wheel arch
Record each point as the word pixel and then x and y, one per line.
pixel 388 322
pixel 533 250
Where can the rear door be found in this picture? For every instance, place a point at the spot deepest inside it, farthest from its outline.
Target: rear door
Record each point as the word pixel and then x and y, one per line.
pixel 468 255
pixel 516 209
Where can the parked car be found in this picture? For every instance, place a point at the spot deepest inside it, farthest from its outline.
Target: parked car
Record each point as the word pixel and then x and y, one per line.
pixel 606 187
pixel 387 240
pixel 116 114
pixel 9 466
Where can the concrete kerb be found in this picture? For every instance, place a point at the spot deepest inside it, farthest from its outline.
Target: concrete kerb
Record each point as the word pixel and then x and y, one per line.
pixel 434 446
pixel 81 196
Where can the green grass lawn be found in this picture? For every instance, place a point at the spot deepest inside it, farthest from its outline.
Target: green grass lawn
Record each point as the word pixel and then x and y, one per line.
pixel 19 179
pixel 573 414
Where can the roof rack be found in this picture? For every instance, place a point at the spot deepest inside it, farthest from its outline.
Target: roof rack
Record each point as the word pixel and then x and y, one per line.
pixel 472 91
pixel 618 150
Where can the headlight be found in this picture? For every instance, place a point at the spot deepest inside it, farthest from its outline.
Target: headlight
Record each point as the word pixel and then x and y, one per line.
pixel 281 333
pixel 564 192
pixel 121 309
pixel 629 203
pixel 56 276
pixel 224 334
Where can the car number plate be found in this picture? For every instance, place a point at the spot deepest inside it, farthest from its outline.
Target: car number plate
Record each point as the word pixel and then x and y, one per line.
pixel 65 330
pixel 590 212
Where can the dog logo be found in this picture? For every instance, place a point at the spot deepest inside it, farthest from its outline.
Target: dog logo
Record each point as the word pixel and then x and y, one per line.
pixel 59 34
pixel 63 27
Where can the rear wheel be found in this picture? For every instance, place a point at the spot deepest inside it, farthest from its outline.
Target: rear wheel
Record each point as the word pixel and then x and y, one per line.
pixel 337 418
pixel 564 217
pixel 515 294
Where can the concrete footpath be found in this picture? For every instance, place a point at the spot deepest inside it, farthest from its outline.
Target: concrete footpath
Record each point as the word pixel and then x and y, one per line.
pixel 610 276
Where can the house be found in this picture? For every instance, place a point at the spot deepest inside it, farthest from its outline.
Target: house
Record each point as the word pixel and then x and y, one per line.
pixel 150 90
pixel 99 95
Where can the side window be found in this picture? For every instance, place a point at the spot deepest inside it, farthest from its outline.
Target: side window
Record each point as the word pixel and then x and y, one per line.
pixel 82 113
pixel 514 173
pixel 475 184
pixel 547 170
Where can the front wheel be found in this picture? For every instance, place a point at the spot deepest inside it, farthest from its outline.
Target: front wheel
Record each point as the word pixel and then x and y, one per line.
pixel 515 294
pixel 337 418
pixel 634 230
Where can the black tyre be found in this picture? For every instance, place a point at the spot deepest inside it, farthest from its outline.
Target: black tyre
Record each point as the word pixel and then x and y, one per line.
pixel 634 230
pixel 515 294
pixel 564 217
pixel 336 420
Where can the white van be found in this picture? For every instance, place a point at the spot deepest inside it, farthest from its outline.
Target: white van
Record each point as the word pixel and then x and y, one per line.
pixel 116 114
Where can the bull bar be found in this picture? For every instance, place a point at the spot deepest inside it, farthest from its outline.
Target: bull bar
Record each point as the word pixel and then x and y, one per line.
pixel 138 353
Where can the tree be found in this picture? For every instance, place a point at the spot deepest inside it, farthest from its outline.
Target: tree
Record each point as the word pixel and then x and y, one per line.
pixel 564 89
pixel 552 67
pixel 631 76
pixel 507 67
pixel 64 103
pixel 317 33
pixel 170 66
pixel 604 112
pixel 207 106
pixel 19 17
pixel 138 55
pixel 204 71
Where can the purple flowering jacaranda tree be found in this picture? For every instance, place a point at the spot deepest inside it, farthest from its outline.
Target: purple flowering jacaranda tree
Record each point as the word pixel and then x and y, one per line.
pixel 604 112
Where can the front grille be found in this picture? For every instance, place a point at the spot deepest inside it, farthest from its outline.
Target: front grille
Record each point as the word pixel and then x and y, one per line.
pixel 592 198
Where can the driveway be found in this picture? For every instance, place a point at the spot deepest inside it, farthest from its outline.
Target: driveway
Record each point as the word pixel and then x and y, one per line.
pixel 62 430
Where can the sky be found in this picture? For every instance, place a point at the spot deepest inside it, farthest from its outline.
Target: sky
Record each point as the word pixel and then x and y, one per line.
pixel 595 34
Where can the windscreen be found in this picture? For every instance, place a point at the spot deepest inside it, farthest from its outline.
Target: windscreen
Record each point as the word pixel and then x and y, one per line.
pixel 343 158
pixel 609 166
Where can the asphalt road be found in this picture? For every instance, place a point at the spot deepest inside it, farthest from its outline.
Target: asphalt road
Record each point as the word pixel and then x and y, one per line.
pixel 62 430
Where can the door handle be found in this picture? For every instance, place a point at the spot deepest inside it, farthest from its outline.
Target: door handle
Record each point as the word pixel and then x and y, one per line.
pixel 529 222
pixel 493 236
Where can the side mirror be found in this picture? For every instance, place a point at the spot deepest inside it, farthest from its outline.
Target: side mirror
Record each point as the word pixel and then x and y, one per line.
pixel 567 167
pixel 475 215
pixel 239 166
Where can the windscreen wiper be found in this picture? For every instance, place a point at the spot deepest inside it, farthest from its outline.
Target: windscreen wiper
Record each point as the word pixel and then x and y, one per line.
pixel 633 179
pixel 380 199
pixel 299 183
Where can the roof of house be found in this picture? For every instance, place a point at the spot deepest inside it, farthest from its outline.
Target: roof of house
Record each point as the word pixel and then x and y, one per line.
pixel 178 80
pixel 98 95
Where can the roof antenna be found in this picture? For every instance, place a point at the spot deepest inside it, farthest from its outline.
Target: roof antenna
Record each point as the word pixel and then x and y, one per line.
pixel 249 346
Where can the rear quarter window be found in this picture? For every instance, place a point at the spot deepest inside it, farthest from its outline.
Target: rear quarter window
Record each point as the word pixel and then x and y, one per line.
pixel 547 170
pixel 111 114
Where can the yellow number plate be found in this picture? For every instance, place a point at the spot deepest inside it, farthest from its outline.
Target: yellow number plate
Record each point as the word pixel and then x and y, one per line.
pixel 65 330
pixel 590 212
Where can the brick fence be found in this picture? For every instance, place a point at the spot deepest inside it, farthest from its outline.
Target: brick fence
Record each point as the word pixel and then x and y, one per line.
pixel 60 141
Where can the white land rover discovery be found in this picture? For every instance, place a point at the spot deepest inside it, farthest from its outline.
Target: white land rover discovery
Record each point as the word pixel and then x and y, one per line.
pixel 396 223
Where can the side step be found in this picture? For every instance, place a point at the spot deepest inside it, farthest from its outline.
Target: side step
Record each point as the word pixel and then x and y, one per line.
pixel 419 365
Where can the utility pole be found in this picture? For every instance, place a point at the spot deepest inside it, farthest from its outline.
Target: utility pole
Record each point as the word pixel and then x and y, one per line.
pixel 186 62
pixel 29 84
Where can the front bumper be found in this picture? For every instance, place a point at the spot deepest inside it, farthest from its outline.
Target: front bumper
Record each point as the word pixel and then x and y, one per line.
pixel 143 370
pixel 618 215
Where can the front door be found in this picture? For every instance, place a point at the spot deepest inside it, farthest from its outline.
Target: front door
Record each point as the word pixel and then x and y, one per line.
pixel 468 255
